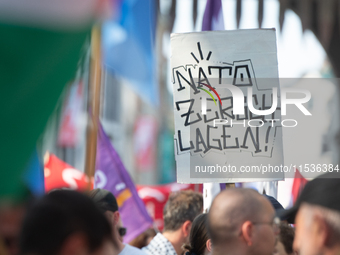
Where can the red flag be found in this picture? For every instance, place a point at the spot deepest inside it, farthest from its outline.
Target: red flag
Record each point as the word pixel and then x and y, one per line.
pixel 59 174
pixel 298 185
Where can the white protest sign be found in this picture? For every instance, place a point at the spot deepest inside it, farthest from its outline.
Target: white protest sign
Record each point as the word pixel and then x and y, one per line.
pixel 227 106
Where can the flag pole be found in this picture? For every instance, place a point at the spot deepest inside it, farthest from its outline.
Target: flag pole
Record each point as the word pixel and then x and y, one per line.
pixel 93 101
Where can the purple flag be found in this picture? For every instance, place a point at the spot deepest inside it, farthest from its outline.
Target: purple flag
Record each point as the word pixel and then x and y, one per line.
pixel 111 175
pixel 213 16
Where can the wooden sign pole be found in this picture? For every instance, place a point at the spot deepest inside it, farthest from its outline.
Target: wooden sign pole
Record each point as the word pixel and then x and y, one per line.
pixel 94 101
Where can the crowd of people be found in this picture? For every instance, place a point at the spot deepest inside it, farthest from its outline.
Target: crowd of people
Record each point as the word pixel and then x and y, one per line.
pixel 240 221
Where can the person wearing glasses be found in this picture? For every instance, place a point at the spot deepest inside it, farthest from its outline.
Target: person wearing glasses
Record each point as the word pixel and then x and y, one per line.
pixel 107 202
pixel 241 221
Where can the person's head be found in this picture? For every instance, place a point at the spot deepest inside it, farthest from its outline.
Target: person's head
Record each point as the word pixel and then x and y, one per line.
pixel 199 241
pixel 107 202
pixel 11 217
pixel 65 222
pixel 181 209
pixel 317 230
pixel 284 245
pixel 317 216
pixel 244 221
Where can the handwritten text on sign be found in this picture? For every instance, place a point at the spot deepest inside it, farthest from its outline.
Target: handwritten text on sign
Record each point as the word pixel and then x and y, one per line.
pixel 222 108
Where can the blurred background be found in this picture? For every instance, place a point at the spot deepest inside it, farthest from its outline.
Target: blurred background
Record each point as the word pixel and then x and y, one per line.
pixel 135 91
pixel 136 106
pixel 69 63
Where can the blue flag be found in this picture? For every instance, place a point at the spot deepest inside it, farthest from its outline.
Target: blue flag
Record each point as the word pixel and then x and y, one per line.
pixel 34 175
pixel 128 47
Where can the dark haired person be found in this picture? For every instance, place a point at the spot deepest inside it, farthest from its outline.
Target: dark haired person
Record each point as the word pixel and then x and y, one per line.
pixel 242 222
pixel 107 202
pixel 317 216
pixel 284 245
pixel 180 210
pixel 65 222
pixel 199 241
pixel 11 216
